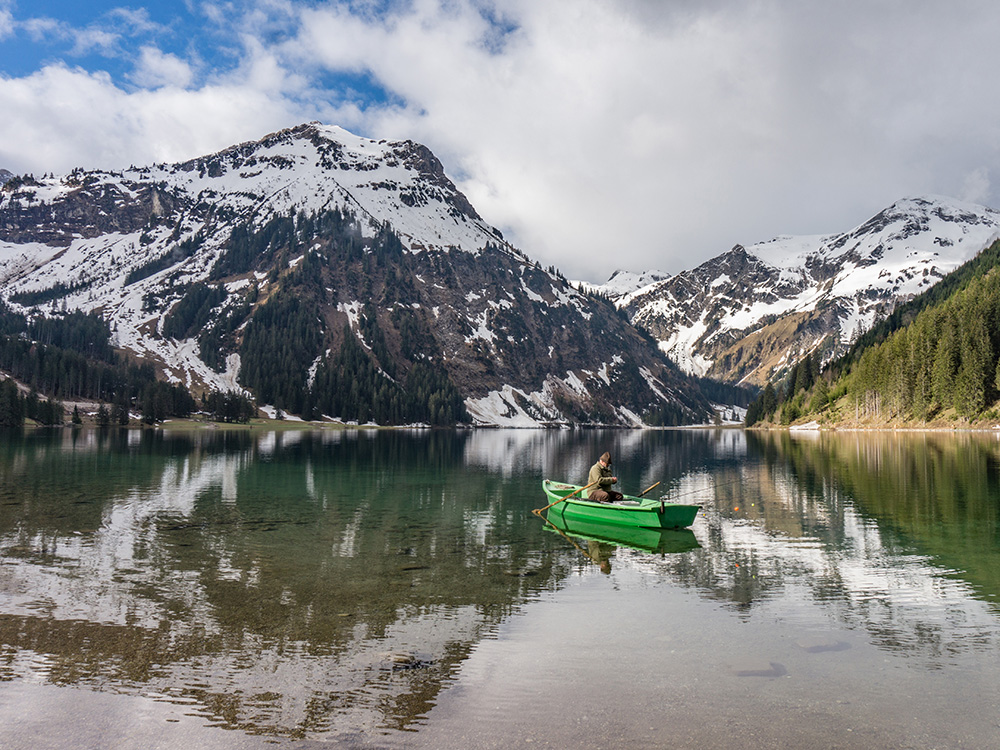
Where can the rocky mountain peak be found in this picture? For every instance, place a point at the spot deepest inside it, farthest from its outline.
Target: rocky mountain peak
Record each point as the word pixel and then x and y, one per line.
pixel 326 272
pixel 748 314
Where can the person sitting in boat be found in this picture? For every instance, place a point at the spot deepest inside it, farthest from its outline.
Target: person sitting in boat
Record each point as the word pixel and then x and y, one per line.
pixel 600 474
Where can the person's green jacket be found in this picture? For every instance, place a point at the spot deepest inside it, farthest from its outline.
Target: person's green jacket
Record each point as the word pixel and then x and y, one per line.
pixel 602 475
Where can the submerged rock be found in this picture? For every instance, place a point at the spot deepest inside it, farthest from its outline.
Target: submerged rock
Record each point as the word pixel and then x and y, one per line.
pixel 820 644
pixel 759 668
pixel 397 661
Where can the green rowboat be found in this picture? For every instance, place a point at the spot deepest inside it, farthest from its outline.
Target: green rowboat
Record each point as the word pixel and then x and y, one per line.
pixel 632 511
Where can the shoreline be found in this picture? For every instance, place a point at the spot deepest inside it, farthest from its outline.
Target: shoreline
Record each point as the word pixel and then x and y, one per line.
pixel 875 428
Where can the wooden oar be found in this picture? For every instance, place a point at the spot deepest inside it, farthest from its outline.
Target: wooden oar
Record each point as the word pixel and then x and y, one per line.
pixel 538 511
pixel 648 489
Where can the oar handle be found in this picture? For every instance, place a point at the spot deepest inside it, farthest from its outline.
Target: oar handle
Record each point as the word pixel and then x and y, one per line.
pixel 648 489
pixel 538 511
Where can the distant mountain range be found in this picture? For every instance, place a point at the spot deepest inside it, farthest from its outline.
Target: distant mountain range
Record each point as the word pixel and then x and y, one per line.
pixel 337 276
pixel 330 275
pixel 749 314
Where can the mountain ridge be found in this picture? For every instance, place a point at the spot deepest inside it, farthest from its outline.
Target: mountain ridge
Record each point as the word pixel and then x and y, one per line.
pixel 200 267
pixel 750 313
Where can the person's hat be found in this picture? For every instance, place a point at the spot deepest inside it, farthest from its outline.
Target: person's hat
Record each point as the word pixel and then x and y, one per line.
pixel 606 458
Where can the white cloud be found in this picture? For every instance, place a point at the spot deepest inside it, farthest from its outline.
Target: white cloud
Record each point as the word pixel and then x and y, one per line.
pixel 215 12
pixel 976 186
pixel 40 28
pixel 135 21
pixel 156 68
pixel 605 136
pixel 598 133
pixel 6 23
pixel 62 117
pixel 263 71
pixel 84 40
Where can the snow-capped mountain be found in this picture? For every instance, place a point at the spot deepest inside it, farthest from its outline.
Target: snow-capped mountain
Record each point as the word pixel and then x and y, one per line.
pixel 622 282
pixel 197 266
pixel 748 314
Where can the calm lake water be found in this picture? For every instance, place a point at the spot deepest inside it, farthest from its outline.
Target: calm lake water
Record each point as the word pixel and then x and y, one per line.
pixel 391 588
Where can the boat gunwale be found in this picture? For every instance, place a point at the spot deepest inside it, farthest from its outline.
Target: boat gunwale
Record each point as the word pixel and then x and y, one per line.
pixel 641 504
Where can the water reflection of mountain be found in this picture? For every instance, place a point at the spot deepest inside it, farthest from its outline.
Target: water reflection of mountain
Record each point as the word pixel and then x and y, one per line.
pixel 895 534
pixel 288 583
pixel 641 457
pixel 302 582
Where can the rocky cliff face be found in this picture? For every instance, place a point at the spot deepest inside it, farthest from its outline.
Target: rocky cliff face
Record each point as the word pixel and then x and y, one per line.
pixel 746 315
pixel 270 265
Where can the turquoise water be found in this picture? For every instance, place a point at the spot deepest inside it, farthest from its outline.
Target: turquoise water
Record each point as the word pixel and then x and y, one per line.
pixel 392 588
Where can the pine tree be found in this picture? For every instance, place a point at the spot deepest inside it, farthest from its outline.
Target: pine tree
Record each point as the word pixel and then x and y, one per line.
pixel 821 396
pixel 922 362
pixel 802 375
pixel 11 405
pixel 769 401
pixel 976 366
pixel 945 364
pixel 121 415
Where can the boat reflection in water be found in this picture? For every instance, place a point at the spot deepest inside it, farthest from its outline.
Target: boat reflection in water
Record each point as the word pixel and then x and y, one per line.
pixel 600 540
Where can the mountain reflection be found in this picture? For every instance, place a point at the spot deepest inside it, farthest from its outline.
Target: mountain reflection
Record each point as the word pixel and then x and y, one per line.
pixel 278 581
pixel 295 583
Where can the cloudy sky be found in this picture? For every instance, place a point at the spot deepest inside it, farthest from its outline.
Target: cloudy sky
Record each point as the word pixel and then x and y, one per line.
pixel 597 134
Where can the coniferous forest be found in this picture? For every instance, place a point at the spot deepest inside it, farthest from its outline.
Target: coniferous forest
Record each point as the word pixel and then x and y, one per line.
pixel 70 356
pixel 935 357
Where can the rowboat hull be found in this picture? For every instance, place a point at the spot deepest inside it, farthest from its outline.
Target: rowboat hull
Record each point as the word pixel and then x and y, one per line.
pixel 633 511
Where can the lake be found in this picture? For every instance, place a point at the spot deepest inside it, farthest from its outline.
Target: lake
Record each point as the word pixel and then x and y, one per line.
pixel 391 588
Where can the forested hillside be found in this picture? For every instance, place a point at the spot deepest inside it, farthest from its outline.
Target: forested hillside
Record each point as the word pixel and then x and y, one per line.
pixel 936 358
pixel 291 357
pixel 70 356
